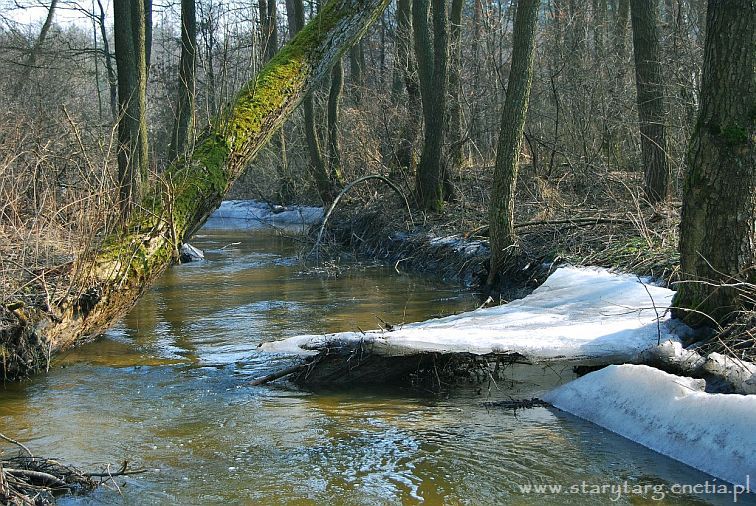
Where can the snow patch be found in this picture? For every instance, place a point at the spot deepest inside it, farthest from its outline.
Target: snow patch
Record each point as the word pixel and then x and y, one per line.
pixel 588 315
pixel 669 414
pixel 250 214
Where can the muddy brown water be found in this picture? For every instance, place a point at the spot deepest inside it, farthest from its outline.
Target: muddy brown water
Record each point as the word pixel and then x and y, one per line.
pixel 167 390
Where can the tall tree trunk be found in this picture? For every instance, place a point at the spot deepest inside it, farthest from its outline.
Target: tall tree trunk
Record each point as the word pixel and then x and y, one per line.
pixel 651 111
pixel 334 96
pixel 454 132
pixel 432 70
pixel 112 78
pixel 356 67
pixel 131 258
pixel 405 60
pixel 269 22
pixel 183 129
pixel 501 213
pixel 718 229
pixel 129 30
pixel 325 186
pixel 31 60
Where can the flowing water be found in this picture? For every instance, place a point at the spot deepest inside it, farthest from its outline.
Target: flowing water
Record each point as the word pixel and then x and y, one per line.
pixel 166 389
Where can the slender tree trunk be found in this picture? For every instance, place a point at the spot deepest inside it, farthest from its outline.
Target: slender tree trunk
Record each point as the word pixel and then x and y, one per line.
pixel 269 22
pixel 130 259
pixel 129 29
pixel 112 78
pixel 356 61
pixel 334 96
pixel 183 129
pixel 501 213
pixel 410 127
pixel 432 70
pixel 326 187
pixel 31 61
pixel 718 229
pixel 651 110
pixel 455 133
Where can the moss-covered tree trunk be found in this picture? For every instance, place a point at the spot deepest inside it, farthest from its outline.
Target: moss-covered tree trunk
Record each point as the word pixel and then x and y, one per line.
pixel 718 229
pixel 651 110
pixel 129 259
pixel 501 212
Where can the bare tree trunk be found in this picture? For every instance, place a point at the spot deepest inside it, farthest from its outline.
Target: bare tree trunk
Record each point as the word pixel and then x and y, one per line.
pixel 269 22
pixel 112 78
pixel 132 257
pixel 405 60
pixel 501 213
pixel 334 96
pixel 454 132
pixel 129 29
pixel 718 229
pixel 432 69
pixel 31 61
pixel 356 71
pixel 183 130
pixel 651 110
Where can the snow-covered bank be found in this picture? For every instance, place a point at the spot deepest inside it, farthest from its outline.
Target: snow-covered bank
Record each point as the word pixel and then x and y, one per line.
pixel 250 214
pixel 585 315
pixel 669 414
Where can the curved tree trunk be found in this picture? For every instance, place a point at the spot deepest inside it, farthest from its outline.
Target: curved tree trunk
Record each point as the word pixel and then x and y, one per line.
pixel 651 112
pixel 718 229
pixel 501 213
pixel 129 259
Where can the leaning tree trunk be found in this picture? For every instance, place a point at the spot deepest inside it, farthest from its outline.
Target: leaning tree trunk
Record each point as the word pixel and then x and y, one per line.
pixel 130 259
pixel 651 112
pixel 718 229
pixel 501 213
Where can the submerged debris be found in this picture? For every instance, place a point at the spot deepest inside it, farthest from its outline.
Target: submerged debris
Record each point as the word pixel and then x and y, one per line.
pixel 29 480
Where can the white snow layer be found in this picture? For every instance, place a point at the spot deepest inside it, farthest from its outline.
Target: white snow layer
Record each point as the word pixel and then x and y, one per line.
pixel 587 314
pixel 250 214
pixel 669 414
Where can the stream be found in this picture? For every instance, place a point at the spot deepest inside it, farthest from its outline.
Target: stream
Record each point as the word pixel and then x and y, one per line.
pixel 167 389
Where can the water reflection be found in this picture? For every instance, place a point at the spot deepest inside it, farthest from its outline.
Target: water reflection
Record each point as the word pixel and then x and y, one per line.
pixel 166 389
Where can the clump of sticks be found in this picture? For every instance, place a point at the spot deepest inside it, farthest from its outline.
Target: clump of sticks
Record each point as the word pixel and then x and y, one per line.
pixel 26 479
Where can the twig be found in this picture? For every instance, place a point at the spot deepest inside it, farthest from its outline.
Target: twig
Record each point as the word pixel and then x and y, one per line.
pixel 13 441
pixel 348 187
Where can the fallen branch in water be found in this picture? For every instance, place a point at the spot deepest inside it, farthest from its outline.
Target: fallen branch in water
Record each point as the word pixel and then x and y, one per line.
pixel 29 480
pixel 518 404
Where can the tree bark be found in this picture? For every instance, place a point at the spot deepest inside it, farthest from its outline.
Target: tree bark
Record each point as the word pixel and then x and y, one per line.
pixel 454 132
pixel 130 49
pixel 718 229
pixel 183 130
pixel 130 259
pixel 650 94
pixel 112 78
pixel 503 239
pixel 432 60
pixel 334 96
pixel 405 60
